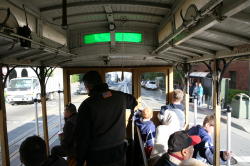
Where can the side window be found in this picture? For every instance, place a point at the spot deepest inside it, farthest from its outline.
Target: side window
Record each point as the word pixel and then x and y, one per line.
pixel 120 81
pixel 35 83
pixel 153 89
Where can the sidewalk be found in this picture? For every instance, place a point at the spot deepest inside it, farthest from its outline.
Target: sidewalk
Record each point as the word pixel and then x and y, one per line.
pixel 241 124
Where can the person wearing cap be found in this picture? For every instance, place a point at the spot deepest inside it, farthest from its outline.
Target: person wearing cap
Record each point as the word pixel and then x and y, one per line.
pixel 204 151
pixel 67 147
pixel 101 128
pixel 180 147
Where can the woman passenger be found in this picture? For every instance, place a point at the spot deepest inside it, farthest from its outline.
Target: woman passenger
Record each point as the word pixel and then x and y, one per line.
pixel 67 147
pixel 169 126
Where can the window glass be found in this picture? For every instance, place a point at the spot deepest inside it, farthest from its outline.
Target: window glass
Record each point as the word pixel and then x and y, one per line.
pixel 153 90
pixel 120 81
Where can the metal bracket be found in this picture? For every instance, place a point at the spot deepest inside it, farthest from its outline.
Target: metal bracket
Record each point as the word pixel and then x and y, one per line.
pixel 219 71
pixel 42 73
pixel 218 15
pixel 6 18
pixel 8 73
pixel 184 70
pixel 191 14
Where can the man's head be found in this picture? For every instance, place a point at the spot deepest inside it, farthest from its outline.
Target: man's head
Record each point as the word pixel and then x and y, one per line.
pixel 181 144
pixel 177 95
pixel 69 110
pixel 209 123
pixel 91 79
pixel 33 151
pixel 147 113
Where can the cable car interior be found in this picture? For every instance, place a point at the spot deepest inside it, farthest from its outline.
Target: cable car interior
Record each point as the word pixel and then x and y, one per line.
pixel 137 37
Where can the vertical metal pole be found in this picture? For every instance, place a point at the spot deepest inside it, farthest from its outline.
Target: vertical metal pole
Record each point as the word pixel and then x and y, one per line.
pixel 187 103
pixel 170 84
pixel 195 110
pixel 203 100
pixel 66 87
pixel 44 107
pixel 217 110
pixel 229 120
pixel 60 114
pixel 3 125
pixel 36 116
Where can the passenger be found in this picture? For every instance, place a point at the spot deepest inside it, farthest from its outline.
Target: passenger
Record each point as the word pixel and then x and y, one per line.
pixel 195 89
pixel 100 130
pixel 163 132
pixel 67 147
pixel 147 129
pixel 205 150
pixel 33 153
pixel 176 106
pixel 192 162
pixel 200 94
pixel 180 147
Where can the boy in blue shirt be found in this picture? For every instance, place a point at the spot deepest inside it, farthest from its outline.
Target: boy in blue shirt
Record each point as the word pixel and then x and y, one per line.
pixel 204 151
pixel 147 128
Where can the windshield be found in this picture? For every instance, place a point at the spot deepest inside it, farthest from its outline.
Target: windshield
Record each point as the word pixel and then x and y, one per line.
pixel 152 82
pixel 20 84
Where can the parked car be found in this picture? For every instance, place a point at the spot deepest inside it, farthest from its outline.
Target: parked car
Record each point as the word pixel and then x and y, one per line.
pixel 143 83
pixel 151 85
pixel 81 90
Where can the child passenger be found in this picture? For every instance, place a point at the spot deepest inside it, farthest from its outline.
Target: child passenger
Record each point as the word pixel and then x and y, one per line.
pixel 147 128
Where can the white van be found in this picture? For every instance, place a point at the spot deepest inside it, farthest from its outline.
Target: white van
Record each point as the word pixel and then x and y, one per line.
pixel 26 89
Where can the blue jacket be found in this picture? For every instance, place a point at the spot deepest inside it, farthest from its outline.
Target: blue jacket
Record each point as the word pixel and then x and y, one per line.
pixel 147 129
pixel 205 149
pixel 200 91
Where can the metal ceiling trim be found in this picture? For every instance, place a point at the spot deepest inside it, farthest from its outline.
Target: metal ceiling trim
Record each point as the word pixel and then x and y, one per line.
pixel 183 51
pixel 241 17
pixel 52 49
pixel 28 56
pixel 196 49
pixel 16 53
pixel 229 35
pixel 228 9
pixel 178 54
pixel 116 12
pixel 94 3
pixel 212 43
pixel 239 51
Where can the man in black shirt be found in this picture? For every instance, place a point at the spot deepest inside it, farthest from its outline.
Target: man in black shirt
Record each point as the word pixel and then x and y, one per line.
pixel 100 130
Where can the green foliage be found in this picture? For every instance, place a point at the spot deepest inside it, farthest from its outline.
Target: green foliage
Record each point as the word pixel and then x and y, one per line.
pixel 75 78
pixel 233 92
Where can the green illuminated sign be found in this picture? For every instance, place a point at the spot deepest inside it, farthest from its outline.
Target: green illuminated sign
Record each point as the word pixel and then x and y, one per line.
pixel 119 37
pixel 96 38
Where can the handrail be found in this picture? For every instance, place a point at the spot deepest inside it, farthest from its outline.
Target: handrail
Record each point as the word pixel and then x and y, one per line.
pixel 145 161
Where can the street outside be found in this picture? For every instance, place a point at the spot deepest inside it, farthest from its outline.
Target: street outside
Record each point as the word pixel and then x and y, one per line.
pixel 21 123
